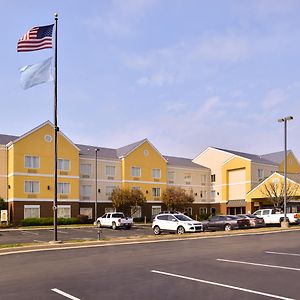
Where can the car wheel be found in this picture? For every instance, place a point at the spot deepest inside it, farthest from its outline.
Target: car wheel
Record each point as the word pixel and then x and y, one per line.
pixel 180 230
pixel 156 230
pixel 114 226
pixel 227 227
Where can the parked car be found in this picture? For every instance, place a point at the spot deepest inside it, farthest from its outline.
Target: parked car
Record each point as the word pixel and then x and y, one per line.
pixel 175 222
pixel 254 220
pixel 114 220
pixel 272 217
pixel 225 222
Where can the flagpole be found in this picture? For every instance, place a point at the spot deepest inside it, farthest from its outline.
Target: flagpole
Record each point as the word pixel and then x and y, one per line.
pixel 56 129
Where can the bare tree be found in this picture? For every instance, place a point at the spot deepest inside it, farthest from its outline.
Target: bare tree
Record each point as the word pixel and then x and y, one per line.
pixel 274 191
pixel 176 198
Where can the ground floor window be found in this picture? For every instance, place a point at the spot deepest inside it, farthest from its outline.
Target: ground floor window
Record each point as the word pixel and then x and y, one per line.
pixel 64 211
pixel 87 211
pixel 188 211
pixel 31 211
pixel 213 211
pixel 236 210
pixel 156 209
pixel 136 212
pixel 203 210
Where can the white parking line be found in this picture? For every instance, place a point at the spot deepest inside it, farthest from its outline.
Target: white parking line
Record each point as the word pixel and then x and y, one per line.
pixel 282 253
pixel 223 285
pixel 259 265
pixel 29 232
pixel 64 294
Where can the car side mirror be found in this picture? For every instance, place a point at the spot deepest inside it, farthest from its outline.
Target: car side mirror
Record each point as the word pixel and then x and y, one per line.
pixel 174 220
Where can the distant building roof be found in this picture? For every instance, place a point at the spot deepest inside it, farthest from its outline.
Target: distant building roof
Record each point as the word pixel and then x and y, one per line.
pixel 5 139
pixel 276 157
pixel 123 151
pixel 182 162
pixel 253 157
pixel 102 153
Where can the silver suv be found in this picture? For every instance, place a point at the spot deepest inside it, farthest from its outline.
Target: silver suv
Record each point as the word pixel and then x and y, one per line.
pixel 175 222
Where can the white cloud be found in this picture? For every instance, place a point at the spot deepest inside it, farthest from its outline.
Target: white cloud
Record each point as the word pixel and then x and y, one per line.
pixel 274 98
pixel 160 79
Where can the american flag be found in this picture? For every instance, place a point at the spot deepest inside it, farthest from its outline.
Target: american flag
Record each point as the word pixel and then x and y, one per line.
pixel 37 38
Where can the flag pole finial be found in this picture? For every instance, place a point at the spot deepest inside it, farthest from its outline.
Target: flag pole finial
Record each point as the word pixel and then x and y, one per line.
pixel 56 15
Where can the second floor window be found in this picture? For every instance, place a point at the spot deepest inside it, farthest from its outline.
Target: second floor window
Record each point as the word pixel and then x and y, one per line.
pixel 109 190
pixel 86 190
pixel 136 172
pixel 110 171
pixel 260 173
pixel 213 178
pixel 63 164
pixel 156 173
pixel 171 175
pixel 156 192
pixel 63 188
pixel 32 162
pixel 85 169
pixel 32 186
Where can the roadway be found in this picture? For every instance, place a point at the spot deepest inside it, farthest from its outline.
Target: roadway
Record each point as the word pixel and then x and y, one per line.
pixel 265 266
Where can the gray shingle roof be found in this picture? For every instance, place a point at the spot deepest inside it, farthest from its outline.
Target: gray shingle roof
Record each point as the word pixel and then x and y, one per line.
pixel 182 162
pixel 123 151
pixel 253 157
pixel 276 157
pixel 5 139
pixel 102 153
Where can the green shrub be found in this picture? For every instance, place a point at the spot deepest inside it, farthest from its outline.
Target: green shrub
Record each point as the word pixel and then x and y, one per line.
pixel 48 221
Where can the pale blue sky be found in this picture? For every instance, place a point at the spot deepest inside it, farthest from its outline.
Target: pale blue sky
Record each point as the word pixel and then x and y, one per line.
pixel 186 74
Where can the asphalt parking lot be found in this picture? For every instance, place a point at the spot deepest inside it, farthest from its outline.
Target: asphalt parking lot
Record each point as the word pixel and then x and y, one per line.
pixel 264 266
pixel 68 234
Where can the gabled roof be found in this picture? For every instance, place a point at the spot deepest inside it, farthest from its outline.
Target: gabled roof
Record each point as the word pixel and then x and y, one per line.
pixel 253 157
pixel 182 162
pixel 276 157
pixel 37 128
pixel 102 153
pixel 5 139
pixel 123 151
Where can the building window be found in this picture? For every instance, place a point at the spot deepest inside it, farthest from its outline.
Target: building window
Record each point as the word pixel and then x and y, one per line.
pixel 213 178
pixel 63 164
pixel 110 171
pixel 87 211
pixel 86 190
pixel 109 190
pixel 32 162
pixel 203 179
pixel 63 188
pixel 64 211
pixel 136 188
pixel 32 186
pixel 136 212
pixel 156 173
pixel 156 192
pixel 260 174
pixel 85 169
pixel 171 175
pixel 31 211
pixel 187 178
pixel 188 211
pixel 203 194
pixel 213 194
pixel 136 172
pixel 203 210
pixel 155 210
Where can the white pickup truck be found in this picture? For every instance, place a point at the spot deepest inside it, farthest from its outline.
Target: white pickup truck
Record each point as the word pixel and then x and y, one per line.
pixel 114 220
pixel 272 217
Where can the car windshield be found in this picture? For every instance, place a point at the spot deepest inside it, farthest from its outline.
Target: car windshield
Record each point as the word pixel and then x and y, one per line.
pixel 183 218
pixel 232 217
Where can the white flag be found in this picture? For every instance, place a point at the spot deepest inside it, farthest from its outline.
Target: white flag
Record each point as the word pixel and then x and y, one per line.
pixel 32 75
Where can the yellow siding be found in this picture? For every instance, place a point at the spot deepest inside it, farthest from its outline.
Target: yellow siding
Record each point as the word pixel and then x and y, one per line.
pixel 153 160
pixel 236 163
pixel 3 173
pixel 292 164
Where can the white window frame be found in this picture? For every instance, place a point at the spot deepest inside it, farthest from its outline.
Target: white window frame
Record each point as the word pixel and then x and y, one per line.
pixel 155 209
pixel 31 162
pixel 109 189
pixel 87 211
pixel 203 210
pixel 156 173
pixel 138 213
pixel 85 169
pixel 63 188
pixel 61 211
pixel 31 186
pixel 32 208
pixel 110 170
pixel 156 192
pixel 171 177
pixel 63 164
pixel 138 170
pixel 86 190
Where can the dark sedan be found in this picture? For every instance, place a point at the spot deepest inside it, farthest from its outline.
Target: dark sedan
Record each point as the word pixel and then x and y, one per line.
pixel 226 223
pixel 254 220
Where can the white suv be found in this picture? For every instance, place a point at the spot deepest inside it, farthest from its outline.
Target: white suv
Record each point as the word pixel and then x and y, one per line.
pixel 175 222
